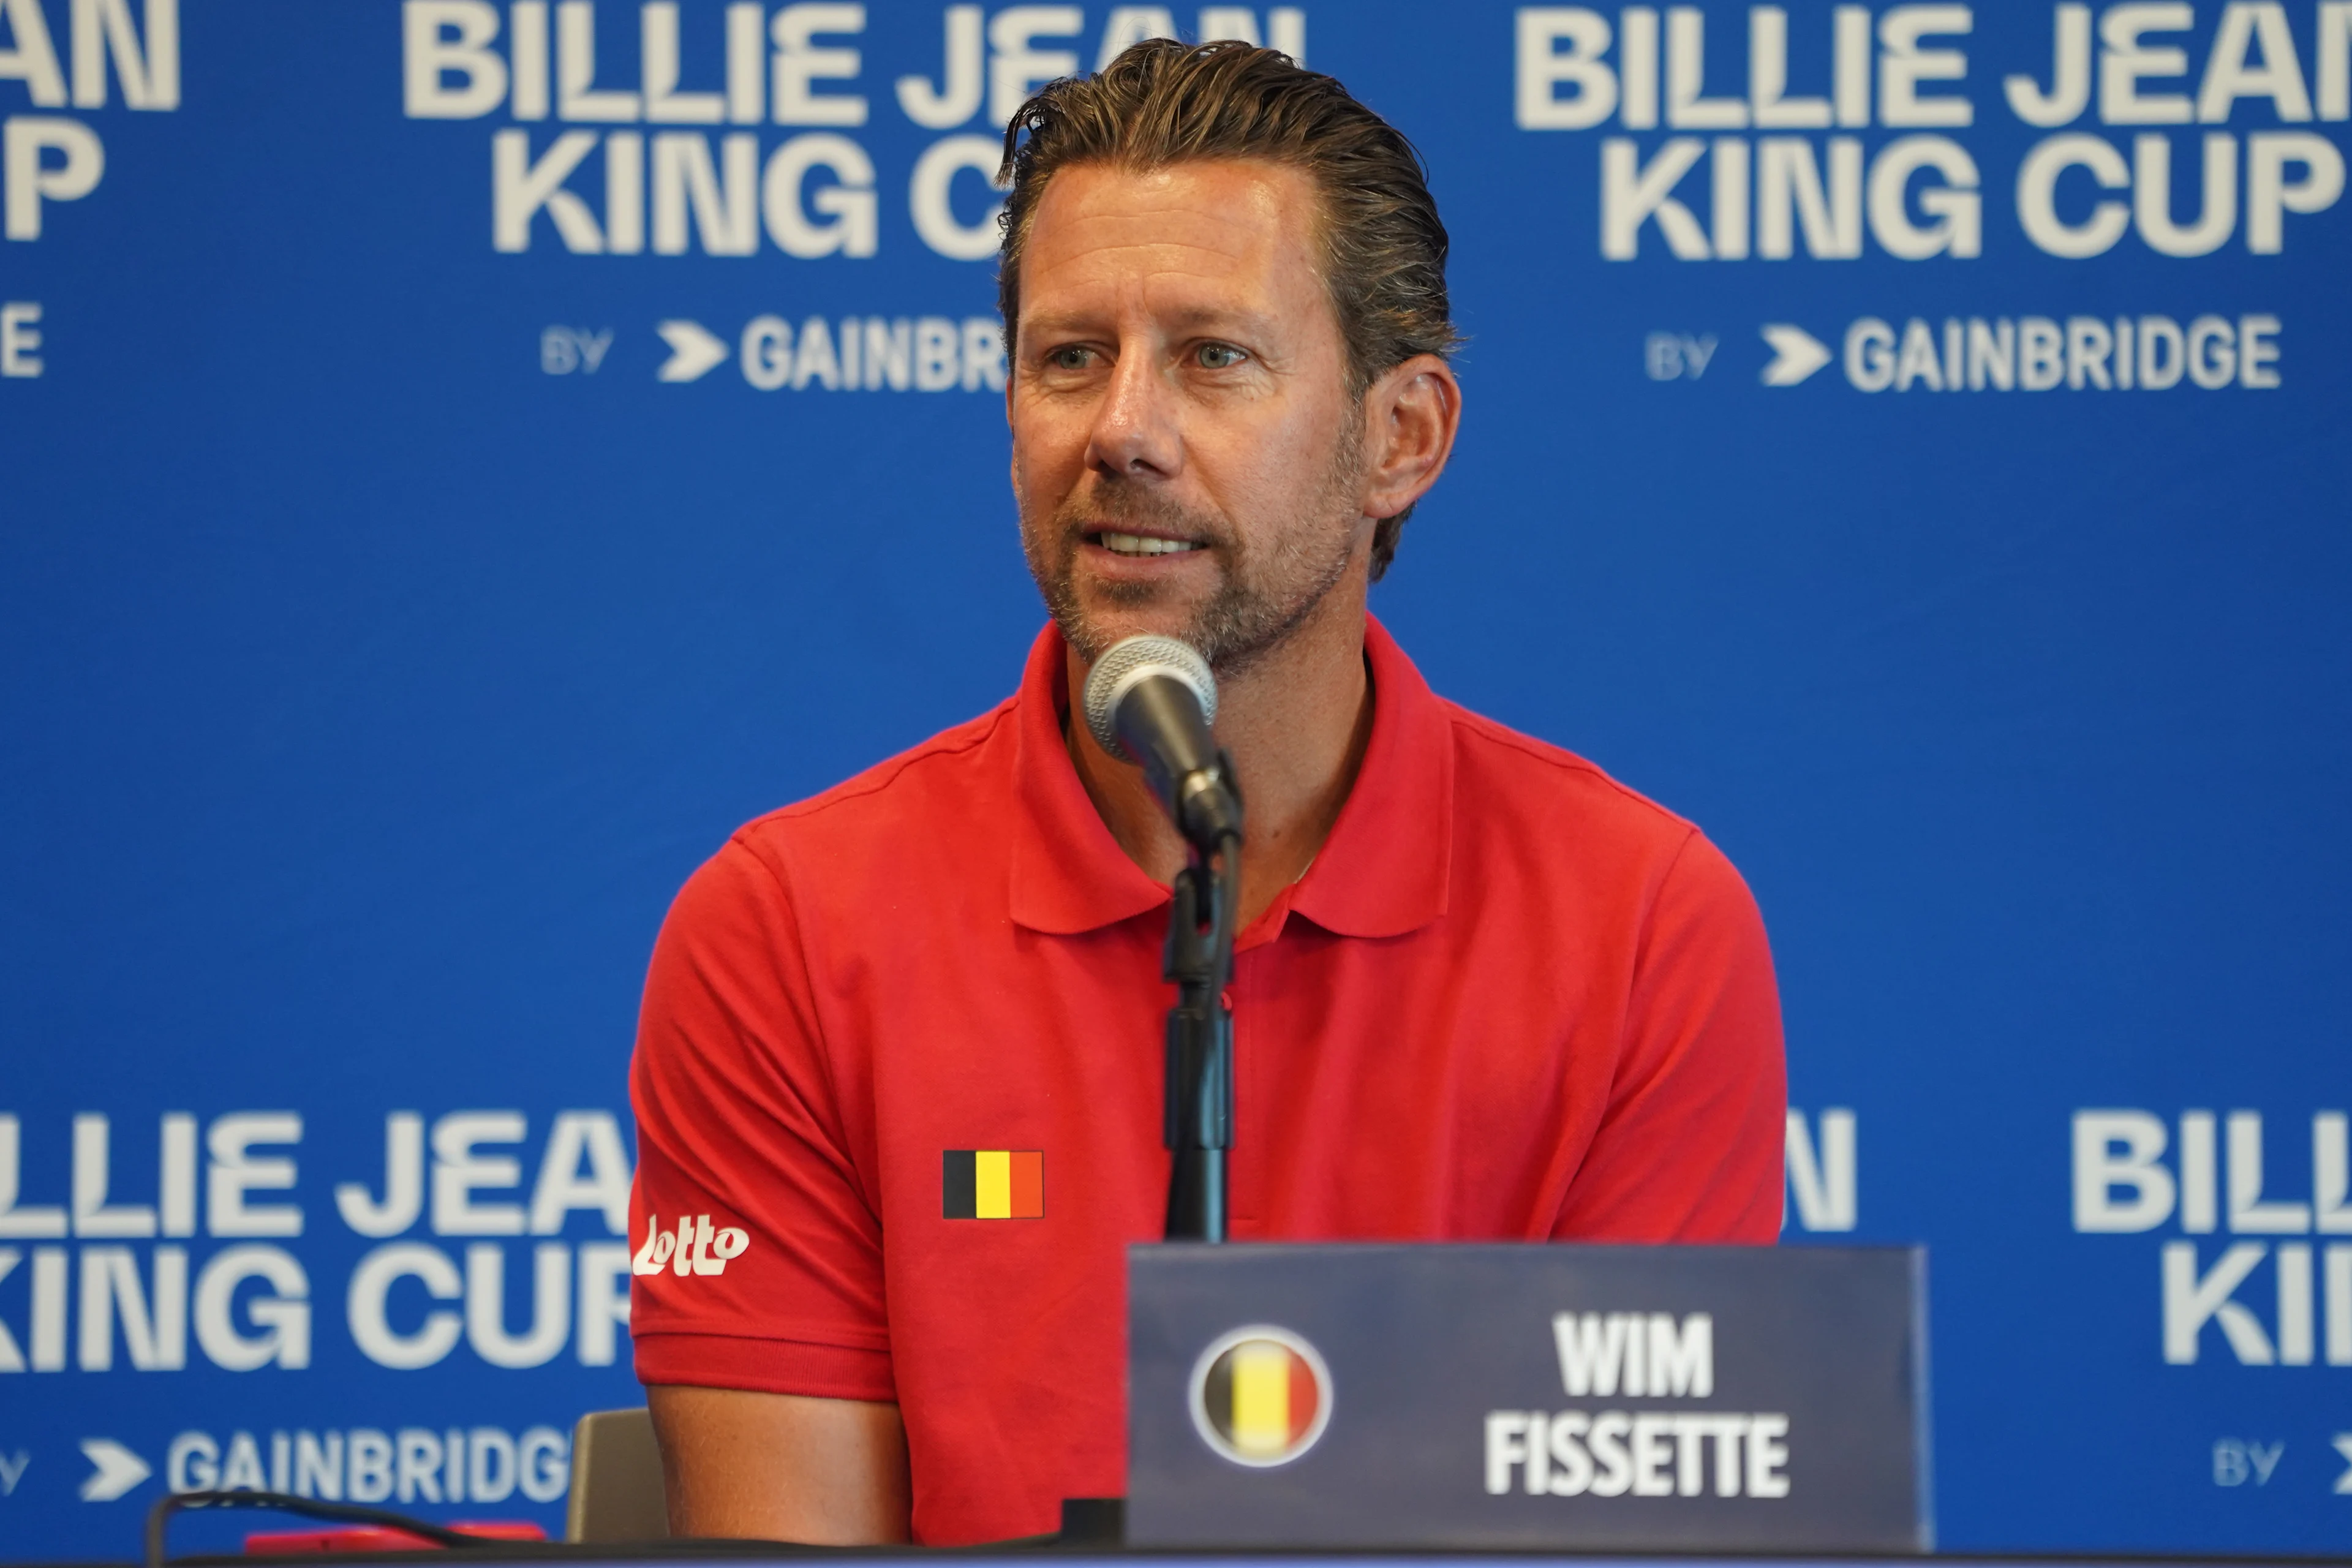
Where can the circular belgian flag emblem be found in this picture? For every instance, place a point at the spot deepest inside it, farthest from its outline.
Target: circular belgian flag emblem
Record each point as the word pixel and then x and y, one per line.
pixel 1261 1395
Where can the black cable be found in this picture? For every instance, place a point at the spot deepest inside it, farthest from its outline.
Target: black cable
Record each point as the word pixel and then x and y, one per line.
pixel 159 1518
pixel 1229 912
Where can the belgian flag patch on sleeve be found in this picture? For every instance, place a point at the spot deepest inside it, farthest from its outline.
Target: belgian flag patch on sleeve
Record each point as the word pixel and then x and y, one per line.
pixel 991 1183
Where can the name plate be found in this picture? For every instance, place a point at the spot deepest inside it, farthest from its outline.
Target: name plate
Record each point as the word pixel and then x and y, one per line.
pixel 1519 1397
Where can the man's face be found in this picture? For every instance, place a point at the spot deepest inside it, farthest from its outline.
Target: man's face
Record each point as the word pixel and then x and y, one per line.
pixel 1185 453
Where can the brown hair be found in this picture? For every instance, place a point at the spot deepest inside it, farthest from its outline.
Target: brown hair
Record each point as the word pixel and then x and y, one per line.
pixel 1163 102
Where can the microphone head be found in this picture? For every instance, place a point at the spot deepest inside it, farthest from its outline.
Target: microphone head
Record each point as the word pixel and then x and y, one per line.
pixel 1138 659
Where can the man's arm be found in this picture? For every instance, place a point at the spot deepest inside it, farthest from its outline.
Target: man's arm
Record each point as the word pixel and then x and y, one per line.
pixel 756 1304
pixel 782 1467
pixel 1689 1149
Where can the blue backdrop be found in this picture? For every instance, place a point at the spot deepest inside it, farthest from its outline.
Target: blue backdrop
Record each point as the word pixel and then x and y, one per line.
pixel 459 460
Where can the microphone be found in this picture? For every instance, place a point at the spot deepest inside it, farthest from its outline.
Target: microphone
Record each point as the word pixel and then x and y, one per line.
pixel 1150 700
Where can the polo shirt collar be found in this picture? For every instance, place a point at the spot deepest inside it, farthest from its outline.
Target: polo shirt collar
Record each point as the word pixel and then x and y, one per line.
pixel 1383 871
pixel 1070 875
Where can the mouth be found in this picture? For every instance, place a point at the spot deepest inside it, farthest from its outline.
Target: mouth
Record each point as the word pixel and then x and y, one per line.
pixel 1142 544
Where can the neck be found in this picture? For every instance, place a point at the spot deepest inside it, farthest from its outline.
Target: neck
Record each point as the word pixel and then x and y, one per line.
pixel 1296 721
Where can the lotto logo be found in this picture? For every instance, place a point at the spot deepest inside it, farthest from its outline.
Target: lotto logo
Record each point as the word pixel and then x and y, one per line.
pixel 693 1248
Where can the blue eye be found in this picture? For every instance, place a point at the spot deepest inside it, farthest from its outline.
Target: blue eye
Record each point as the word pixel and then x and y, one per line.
pixel 1072 356
pixel 1219 356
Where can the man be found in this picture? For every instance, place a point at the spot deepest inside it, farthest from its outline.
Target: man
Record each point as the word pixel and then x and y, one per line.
pixel 1480 990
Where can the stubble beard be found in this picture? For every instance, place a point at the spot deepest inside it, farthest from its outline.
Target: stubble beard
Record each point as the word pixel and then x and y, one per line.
pixel 1262 597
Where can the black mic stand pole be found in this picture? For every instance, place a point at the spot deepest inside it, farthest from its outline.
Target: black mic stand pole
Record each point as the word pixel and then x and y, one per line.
pixel 1200 1090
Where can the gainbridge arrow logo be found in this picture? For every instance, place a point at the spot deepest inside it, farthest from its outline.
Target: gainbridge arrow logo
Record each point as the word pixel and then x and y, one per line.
pixel 1796 354
pixel 693 351
pixel 116 1469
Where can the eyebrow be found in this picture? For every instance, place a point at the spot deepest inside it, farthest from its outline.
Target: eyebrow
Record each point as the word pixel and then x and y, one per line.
pixel 1187 319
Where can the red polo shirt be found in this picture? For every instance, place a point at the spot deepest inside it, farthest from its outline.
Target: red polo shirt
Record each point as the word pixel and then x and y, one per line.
pixel 1510 999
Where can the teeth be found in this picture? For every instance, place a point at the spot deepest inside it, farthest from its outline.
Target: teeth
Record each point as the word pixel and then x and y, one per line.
pixel 1135 544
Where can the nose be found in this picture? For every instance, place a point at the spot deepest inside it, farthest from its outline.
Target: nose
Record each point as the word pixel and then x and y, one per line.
pixel 1135 432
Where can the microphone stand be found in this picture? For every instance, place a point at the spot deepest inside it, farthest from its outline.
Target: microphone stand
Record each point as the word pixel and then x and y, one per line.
pixel 1199 1122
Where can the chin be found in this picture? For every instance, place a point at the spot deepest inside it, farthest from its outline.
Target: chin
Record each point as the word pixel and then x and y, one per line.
pixel 1096 628
pixel 1102 632
pixel 1128 608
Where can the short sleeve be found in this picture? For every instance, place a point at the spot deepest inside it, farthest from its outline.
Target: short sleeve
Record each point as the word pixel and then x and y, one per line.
pixel 1689 1149
pixel 758 1255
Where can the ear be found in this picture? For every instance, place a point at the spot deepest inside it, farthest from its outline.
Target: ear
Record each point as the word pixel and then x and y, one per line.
pixel 1410 415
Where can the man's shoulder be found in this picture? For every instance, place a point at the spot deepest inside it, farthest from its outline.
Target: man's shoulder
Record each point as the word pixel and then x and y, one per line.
pixel 950 774
pixel 1499 770
pixel 1522 804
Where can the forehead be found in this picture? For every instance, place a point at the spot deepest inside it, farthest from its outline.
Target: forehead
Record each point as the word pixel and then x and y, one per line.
pixel 1204 226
